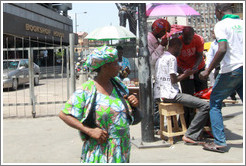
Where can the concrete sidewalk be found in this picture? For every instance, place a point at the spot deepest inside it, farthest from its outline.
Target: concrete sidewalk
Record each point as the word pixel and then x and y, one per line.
pixel 50 140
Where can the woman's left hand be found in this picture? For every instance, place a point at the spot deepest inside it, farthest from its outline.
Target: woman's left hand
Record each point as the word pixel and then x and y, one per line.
pixel 133 100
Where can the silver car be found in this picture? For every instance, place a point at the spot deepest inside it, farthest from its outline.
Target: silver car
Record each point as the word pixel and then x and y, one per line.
pixel 16 72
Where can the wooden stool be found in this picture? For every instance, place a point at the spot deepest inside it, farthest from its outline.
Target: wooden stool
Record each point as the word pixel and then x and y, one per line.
pixel 171 110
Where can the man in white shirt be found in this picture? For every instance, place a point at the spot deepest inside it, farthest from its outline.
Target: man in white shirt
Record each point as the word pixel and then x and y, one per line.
pixel 166 89
pixel 229 34
pixel 209 57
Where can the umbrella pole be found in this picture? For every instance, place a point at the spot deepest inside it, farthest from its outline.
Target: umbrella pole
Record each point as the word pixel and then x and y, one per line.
pixel 144 75
pixel 145 89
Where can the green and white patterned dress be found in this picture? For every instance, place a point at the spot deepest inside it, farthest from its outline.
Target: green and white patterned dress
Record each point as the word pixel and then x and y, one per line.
pixel 110 116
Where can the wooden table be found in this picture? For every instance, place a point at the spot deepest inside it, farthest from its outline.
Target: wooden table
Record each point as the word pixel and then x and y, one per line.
pixel 134 89
pixel 225 101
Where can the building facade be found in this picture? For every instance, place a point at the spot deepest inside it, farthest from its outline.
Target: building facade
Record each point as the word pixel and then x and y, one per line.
pixel 204 24
pixel 35 25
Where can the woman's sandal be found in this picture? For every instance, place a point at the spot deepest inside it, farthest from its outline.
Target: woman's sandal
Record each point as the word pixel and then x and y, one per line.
pixel 213 147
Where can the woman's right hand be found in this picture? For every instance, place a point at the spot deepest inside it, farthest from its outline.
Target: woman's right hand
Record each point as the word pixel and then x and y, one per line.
pixel 99 134
pixel 132 99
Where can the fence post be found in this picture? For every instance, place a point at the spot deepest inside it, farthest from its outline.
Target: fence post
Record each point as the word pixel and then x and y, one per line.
pixel 72 75
pixel 31 81
pixel 144 75
pixel 68 72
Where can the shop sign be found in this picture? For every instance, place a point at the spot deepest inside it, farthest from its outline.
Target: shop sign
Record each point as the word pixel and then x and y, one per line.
pixel 42 30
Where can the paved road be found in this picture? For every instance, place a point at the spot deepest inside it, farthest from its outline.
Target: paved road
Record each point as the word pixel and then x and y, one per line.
pixel 49 140
pixel 48 91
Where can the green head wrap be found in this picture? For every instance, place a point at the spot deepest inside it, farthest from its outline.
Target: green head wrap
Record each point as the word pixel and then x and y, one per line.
pixel 101 56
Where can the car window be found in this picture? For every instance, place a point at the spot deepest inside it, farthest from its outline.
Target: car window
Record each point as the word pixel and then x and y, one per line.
pixel 10 64
pixel 26 63
pixel 22 63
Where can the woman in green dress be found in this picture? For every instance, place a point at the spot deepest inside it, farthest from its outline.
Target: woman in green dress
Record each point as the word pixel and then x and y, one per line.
pixel 109 142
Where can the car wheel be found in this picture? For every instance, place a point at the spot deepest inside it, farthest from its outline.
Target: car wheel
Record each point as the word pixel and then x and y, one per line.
pixel 36 80
pixel 15 84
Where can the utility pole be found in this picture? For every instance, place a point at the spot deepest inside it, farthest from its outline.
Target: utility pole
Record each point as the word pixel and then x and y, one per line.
pixel 75 17
pixel 72 74
pixel 76 23
pixel 144 75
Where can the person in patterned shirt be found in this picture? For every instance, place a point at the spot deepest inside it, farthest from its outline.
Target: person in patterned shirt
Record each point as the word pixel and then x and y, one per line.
pixel 125 65
pixel 109 142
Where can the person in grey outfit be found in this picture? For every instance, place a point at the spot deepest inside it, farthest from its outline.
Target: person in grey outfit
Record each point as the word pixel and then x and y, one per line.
pixel 166 90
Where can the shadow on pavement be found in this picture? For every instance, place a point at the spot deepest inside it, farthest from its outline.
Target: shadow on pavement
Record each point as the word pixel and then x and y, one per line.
pixel 230 116
pixel 232 136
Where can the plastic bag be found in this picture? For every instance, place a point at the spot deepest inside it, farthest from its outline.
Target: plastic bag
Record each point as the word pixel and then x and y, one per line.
pixel 204 94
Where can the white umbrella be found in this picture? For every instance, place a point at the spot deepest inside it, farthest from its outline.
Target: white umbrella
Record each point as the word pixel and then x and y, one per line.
pixel 110 33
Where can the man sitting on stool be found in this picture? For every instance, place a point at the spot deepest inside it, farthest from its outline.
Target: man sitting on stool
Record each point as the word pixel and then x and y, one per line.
pixel 167 90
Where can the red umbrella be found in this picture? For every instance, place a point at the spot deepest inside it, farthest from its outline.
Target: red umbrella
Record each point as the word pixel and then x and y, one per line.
pixel 170 9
